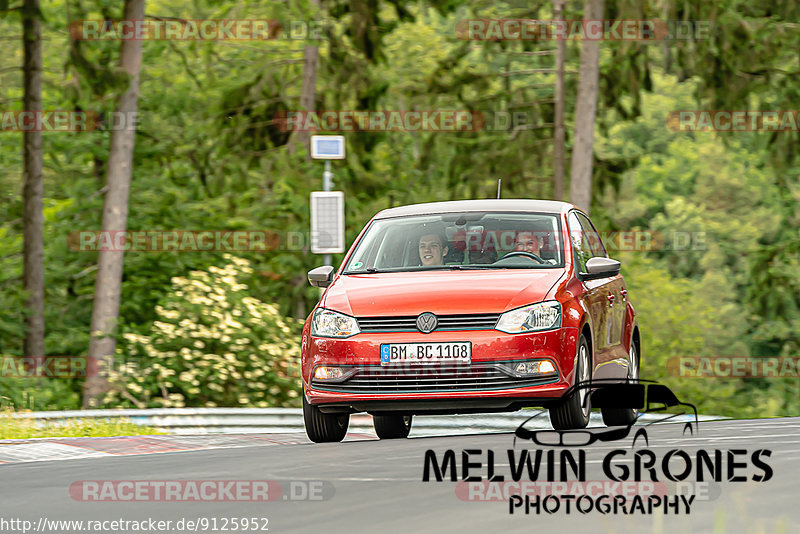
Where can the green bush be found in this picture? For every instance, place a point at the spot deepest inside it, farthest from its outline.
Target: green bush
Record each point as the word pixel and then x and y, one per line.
pixel 212 345
pixel 38 393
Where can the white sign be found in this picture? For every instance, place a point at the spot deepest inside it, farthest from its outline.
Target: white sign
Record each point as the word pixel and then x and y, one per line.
pixel 327 147
pixel 327 222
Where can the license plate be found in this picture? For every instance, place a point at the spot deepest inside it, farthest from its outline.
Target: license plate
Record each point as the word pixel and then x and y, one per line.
pixel 453 352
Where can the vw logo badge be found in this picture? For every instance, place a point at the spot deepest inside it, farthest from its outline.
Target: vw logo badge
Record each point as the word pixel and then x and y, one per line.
pixel 427 323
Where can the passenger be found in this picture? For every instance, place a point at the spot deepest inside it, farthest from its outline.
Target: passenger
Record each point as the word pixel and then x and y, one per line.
pixel 432 249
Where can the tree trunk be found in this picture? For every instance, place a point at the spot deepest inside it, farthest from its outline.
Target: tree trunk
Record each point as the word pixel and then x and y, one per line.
pixel 308 92
pixel 115 217
pixel 559 134
pixel 580 192
pixel 32 189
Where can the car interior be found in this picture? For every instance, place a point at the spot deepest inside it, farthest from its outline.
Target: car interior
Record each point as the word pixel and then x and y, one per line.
pixel 480 242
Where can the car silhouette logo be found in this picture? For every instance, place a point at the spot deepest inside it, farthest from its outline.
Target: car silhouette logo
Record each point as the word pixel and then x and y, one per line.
pixel 427 323
pixel 645 396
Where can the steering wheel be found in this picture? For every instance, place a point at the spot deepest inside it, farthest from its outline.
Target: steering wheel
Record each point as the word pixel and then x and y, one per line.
pixel 524 254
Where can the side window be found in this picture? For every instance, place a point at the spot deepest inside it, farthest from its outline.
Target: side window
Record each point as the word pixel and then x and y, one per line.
pixel 580 243
pixel 590 234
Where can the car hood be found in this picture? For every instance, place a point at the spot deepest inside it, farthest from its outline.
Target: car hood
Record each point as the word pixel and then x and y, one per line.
pixel 440 292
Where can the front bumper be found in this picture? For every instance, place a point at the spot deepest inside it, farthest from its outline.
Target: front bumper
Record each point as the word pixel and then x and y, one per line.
pixel 487 384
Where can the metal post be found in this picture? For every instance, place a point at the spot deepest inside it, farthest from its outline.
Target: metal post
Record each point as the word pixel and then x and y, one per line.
pixel 327 185
pixel 327 177
pixel 558 143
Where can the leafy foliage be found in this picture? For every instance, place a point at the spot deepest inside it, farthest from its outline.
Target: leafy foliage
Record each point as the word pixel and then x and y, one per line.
pixel 208 157
pixel 212 345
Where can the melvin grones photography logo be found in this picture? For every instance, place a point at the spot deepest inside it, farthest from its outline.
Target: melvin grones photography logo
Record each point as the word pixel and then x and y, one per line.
pixel 576 472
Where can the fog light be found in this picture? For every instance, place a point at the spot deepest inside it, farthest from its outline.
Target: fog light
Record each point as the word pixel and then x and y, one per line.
pixel 328 373
pixel 540 367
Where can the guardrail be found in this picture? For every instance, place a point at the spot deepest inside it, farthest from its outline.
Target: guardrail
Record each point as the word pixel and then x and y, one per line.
pixel 277 420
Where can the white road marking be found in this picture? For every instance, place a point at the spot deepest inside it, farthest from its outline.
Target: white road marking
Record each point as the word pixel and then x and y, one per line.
pixel 41 452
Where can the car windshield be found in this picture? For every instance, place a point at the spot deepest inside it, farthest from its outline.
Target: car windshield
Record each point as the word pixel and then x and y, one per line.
pixel 459 241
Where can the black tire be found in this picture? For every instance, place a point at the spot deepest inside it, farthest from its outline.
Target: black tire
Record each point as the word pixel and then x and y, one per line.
pixel 624 416
pixel 392 426
pixel 324 427
pixel 570 414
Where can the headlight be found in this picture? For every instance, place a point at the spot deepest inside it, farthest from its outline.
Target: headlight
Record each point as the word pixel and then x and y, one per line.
pixel 328 373
pixel 541 316
pixel 536 367
pixel 328 323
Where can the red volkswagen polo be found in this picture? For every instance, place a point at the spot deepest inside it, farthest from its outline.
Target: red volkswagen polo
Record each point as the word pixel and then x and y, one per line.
pixel 465 307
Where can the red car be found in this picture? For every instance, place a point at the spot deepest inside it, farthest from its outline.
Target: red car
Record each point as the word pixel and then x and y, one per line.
pixel 466 307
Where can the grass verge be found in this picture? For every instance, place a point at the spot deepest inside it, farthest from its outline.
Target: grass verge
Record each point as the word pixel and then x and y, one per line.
pixel 12 427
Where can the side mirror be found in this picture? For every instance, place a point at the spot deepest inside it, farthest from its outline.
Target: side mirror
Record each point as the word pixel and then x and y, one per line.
pixel 600 268
pixel 321 276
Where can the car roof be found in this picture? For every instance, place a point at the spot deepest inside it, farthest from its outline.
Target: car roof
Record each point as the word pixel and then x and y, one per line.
pixel 494 204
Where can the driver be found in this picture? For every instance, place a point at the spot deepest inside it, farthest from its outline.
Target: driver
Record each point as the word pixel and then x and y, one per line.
pixel 530 242
pixel 432 249
pixel 526 242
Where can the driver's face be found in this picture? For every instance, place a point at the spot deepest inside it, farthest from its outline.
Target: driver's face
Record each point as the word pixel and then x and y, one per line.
pixel 431 250
pixel 526 242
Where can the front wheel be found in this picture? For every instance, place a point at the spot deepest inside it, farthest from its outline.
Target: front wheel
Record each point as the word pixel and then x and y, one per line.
pixel 392 426
pixel 324 427
pixel 574 412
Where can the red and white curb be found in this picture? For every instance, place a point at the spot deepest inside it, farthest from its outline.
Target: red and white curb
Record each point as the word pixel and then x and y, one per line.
pixel 14 451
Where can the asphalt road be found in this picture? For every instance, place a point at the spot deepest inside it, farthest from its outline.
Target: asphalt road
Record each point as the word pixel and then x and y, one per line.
pixel 376 486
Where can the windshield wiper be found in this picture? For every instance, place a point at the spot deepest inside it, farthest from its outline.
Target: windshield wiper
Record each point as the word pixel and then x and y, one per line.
pixel 438 268
pixel 368 270
pixel 373 270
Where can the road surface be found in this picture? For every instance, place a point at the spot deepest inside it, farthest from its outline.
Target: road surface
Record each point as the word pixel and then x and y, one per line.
pixel 367 485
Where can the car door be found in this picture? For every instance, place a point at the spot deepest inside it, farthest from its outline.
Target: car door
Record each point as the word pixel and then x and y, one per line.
pixel 594 297
pixel 612 289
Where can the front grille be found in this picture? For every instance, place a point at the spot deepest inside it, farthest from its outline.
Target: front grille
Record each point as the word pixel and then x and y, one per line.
pixel 446 322
pixel 431 378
